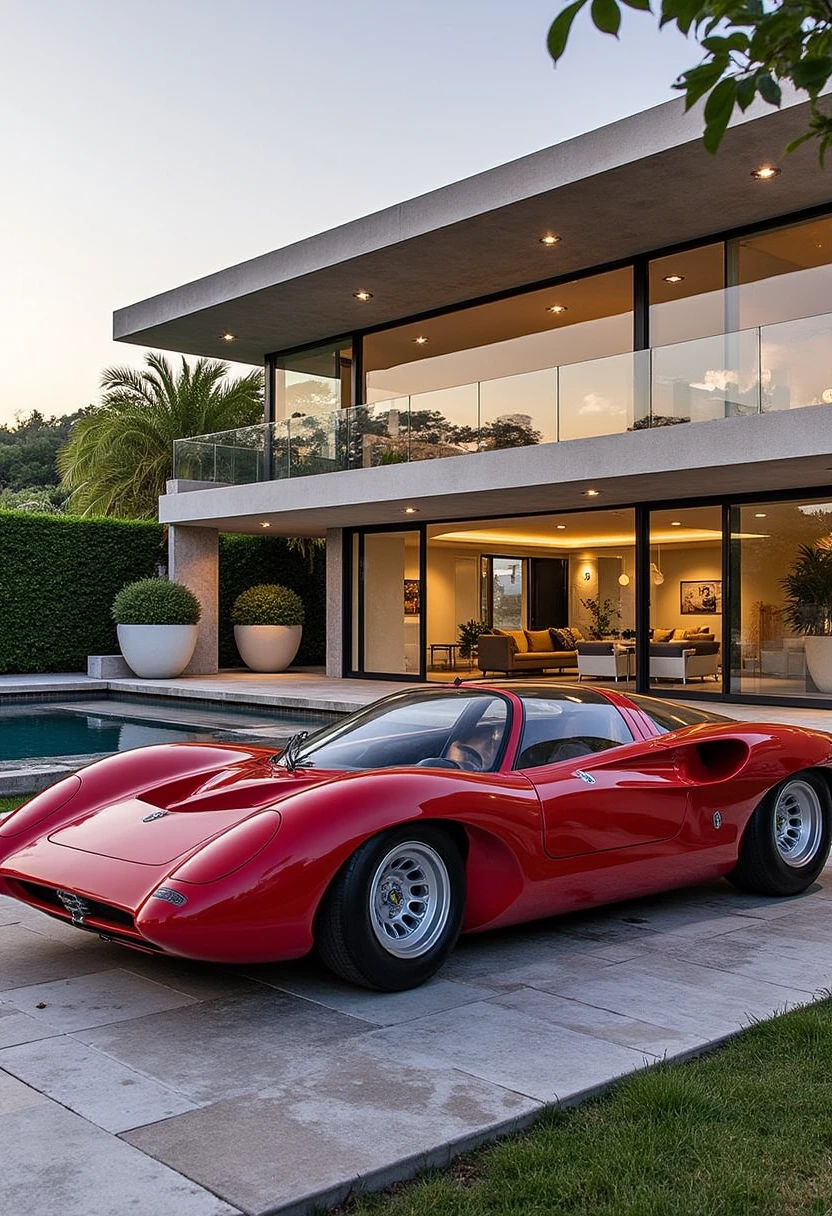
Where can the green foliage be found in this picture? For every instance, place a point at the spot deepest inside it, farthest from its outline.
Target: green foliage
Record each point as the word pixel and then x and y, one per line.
pixel 249 560
pixel 28 452
pixel 47 500
pixel 808 591
pixel 602 613
pixel 156 601
pixel 469 633
pixel 120 453
pixel 268 604
pixel 59 576
pixel 750 49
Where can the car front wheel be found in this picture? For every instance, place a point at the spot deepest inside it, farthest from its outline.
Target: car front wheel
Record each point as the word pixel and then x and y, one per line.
pixel 787 839
pixel 393 913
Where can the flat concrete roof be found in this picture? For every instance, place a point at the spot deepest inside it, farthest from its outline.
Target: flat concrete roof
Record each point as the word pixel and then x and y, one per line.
pixel 641 183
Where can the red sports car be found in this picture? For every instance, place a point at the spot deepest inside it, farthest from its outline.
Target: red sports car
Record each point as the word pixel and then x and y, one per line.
pixel 446 809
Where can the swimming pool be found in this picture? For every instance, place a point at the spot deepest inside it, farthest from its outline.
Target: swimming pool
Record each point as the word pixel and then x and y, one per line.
pixel 46 730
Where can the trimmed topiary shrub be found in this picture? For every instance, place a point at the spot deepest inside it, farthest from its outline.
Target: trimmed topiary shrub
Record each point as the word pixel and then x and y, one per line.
pixel 268 604
pixel 156 601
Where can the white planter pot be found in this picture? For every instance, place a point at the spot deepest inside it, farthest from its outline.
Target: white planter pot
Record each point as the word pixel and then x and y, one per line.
pixel 157 652
pixel 267 647
pixel 819 661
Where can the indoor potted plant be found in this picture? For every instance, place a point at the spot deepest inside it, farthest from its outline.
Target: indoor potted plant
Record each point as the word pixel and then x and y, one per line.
pixel 808 609
pixel 268 622
pixel 157 626
pixel 469 633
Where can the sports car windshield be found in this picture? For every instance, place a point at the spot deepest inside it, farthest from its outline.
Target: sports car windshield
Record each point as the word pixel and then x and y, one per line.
pixel 464 730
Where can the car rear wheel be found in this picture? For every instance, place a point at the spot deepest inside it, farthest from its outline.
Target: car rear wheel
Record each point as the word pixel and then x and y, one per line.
pixel 787 839
pixel 393 913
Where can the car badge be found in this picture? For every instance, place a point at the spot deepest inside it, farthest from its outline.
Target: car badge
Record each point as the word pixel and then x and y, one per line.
pixel 77 907
pixel 170 896
pixel 587 777
pixel 154 815
pixel 717 820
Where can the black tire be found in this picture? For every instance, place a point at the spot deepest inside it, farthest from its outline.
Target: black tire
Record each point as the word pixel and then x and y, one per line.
pixel 766 867
pixel 370 930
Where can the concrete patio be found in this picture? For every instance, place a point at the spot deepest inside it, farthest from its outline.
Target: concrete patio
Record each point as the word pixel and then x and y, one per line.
pixel 130 1082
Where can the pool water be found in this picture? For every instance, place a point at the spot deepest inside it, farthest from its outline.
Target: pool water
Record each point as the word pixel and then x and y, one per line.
pixel 45 730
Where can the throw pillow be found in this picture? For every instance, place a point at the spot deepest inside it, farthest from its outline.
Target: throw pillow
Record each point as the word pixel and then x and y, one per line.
pixel 680 635
pixel 519 640
pixel 662 635
pixel 559 641
pixel 538 639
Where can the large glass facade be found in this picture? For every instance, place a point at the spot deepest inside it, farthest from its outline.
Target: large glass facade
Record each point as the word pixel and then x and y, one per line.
pixel 781 615
pixel 313 382
pixel 386 598
pixel 686 597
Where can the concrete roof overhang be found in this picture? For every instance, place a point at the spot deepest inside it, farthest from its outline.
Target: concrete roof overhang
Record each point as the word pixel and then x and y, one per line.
pixel 761 454
pixel 641 183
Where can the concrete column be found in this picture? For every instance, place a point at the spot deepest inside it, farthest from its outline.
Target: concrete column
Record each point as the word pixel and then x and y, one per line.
pixel 193 559
pixel 335 602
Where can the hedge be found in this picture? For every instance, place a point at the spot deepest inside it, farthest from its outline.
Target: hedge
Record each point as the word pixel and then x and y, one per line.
pixel 59 575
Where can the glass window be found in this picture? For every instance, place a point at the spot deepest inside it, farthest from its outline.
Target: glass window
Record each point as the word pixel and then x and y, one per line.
pixel 387 588
pixel 782 274
pixel 509 348
pixel 686 597
pixel 565 728
pixel 686 295
pixel 464 730
pixel 781 619
pixel 667 716
pixel 313 382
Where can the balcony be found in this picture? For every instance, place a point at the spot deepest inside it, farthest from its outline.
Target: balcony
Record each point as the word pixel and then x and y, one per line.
pixel 753 371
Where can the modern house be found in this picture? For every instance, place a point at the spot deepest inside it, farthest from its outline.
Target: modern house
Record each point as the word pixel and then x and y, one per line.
pixel 578 382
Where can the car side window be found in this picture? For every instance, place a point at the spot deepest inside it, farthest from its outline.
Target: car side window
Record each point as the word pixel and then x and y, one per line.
pixel 554 731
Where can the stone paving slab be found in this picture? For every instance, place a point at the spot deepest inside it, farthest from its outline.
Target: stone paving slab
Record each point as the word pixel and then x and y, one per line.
pixel 57 1164
pixel 182 1087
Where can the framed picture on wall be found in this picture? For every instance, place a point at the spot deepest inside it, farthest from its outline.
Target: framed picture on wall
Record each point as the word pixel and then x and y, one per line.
pixel 701 598
pixel 411 597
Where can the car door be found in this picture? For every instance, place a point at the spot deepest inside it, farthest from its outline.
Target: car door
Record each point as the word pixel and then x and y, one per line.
pixel 601 803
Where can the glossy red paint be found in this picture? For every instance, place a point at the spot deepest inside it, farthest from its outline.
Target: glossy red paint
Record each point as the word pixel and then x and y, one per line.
pixel 210 852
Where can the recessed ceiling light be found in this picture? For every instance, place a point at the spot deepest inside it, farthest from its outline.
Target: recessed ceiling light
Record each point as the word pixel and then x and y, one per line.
pixel 674 278
pixel 766 172
pixel 362 295
pixel 411 511
pixel 676 523
pixel 549 239
pixel 591 493
pixel 826 396
pixel 227 337
pixel 560 527
pixel 759 514
pixel 557 308
pixel 421 340
pixel 265 524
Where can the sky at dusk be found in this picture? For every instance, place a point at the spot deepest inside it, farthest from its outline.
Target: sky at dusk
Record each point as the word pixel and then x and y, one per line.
pixel 146 143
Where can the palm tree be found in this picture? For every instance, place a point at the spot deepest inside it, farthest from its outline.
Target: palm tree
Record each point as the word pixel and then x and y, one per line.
pixel 120 452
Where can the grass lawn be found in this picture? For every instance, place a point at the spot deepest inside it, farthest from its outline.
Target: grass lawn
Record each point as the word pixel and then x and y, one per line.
pixel 744 1131
pixel 12 802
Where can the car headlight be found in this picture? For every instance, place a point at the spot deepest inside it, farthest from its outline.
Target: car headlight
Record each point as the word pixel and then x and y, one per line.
pixel 40 807
pixel 230 851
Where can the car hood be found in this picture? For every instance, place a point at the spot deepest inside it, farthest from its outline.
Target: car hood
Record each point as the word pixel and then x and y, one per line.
pixel 159 825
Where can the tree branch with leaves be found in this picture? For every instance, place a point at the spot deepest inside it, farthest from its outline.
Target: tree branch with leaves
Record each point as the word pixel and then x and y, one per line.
pixel 750 50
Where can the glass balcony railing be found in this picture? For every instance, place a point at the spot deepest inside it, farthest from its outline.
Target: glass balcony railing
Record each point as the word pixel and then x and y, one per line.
pixel 753 371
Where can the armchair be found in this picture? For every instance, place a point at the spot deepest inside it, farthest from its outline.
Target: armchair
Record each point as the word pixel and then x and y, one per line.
pixel 605 659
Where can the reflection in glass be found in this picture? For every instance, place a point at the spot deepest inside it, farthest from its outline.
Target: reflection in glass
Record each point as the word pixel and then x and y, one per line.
pixel 706 379
pixel 604 396
pixel 313 381
pixel 519 411
pixel 770 542
pixel 797 363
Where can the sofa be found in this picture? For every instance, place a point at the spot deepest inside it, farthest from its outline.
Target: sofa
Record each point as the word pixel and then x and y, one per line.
pixel 684 659
pixel 609 660
pixel 518 650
